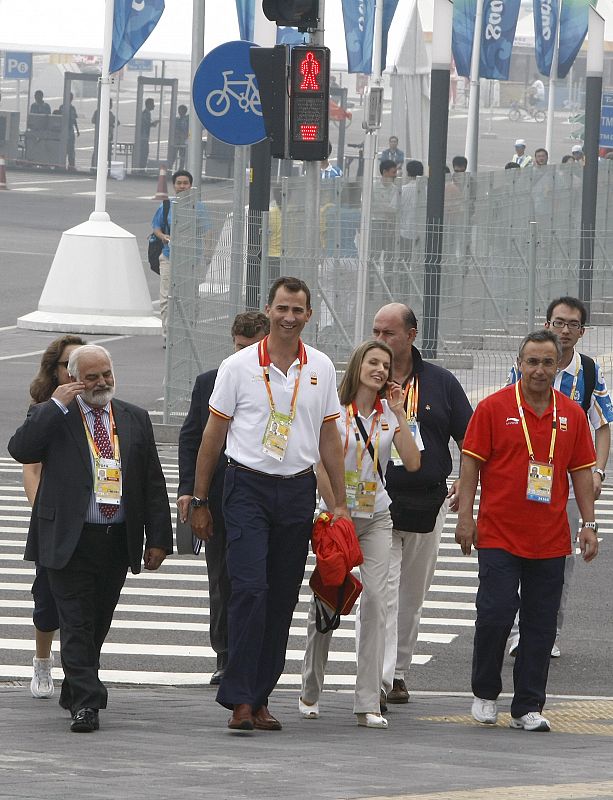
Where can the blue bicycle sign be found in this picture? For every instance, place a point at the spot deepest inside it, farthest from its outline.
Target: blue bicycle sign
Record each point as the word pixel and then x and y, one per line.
pixel 226 95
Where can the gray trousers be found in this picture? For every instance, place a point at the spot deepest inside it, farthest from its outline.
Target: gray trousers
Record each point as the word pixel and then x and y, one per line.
pixel 375 537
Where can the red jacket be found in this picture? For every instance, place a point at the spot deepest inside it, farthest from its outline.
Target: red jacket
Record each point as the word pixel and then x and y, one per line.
pixel 336 548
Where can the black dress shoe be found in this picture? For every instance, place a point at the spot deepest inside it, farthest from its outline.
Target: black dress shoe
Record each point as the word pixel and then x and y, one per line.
pixel 85 721
pixel 216 677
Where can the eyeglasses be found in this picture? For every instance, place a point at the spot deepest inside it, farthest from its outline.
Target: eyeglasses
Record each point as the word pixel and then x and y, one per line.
pixel 573 325
pixel 63 364
pixel 548 363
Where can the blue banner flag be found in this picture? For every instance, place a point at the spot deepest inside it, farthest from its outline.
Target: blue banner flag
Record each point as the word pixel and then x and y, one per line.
pixel 545 31
pixel 359 19
pixel 573 30
pixel 133 21
pixel 245 10
pixel 499 23
pixel 464 13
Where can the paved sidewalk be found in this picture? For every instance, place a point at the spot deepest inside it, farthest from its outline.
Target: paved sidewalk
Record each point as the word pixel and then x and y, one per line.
pixel 172 743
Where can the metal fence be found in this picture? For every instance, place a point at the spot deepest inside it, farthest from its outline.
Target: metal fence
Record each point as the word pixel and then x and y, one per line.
pixel 511 243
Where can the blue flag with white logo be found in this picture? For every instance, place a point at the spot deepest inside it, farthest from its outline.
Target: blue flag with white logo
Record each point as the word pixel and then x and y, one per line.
pixel 573 30
pixel 545 30
pixel 245 10
pixel 133 21
pixel 497 36
pixel 464 12
pixel 359 19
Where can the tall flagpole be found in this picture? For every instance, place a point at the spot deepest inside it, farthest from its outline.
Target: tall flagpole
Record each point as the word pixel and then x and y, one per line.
pixel 99 213
pixel 472 129
pixel 194 149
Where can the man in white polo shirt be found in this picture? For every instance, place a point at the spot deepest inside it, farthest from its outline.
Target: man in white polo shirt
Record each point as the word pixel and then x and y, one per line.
pixel 276 403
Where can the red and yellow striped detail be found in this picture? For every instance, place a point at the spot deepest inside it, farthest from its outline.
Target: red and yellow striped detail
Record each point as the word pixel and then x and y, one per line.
pixel 331 417
pixel 474 455
pixel 219 414
pixel 583 466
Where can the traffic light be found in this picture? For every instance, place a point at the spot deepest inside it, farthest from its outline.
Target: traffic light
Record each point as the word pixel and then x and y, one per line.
pixel 270 67
pixel 301 14
pixel 309 99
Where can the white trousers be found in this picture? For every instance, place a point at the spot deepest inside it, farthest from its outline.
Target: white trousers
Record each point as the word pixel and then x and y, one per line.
pixel 164 289
pixel 412 562
pixel 375 539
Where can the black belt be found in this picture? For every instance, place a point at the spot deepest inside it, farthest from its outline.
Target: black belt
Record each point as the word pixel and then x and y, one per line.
pixel 307 471
pixel 94 527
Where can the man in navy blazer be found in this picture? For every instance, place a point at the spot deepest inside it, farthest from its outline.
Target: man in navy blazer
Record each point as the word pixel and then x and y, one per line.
pixel 88 544
pixel 247 329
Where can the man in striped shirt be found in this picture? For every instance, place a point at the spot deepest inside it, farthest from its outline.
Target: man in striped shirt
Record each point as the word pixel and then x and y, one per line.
pixel 581 379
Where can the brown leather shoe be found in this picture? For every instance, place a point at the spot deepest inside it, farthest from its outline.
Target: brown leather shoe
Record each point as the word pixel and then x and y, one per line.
pixel 264 721
pixel 242 718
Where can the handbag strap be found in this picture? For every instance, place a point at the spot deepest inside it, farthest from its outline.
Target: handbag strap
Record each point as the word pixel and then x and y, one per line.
pixel 325 622
pixel 165 212
pixel 371 449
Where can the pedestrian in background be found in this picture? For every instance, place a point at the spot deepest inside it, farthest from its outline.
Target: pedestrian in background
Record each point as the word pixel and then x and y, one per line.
pixel 53 372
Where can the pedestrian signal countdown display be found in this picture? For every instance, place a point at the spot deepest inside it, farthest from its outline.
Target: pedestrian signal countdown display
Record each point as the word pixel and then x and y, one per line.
pixel 309 102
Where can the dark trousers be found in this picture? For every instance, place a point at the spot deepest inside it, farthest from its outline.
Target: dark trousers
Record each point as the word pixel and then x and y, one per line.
pixel 45 616
pixel 86 592
pixel 268 526
pixel 498 598
pixel 219 583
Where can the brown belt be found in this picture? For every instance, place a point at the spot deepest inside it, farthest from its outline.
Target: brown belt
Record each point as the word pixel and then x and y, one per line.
pixel 307 471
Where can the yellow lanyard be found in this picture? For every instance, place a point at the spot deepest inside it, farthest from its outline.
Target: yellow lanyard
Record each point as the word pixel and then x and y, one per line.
pixel 266 373
pixel 411 398
pixel 92 443
pixel 554 425
pixel 350 414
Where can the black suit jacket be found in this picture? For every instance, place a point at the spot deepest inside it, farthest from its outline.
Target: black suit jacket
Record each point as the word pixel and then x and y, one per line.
pixel 191 436
pixel 59 441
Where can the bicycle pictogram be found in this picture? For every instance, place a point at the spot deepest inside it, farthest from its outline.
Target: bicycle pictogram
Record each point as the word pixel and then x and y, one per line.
pixel 218 101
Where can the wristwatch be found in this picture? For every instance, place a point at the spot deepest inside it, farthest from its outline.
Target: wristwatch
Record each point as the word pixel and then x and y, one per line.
pixel 196 502
pixel 600 472
pixel 592 525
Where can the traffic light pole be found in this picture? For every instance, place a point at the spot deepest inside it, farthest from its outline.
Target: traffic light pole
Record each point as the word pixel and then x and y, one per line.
pixel 259 201
pixel 312 196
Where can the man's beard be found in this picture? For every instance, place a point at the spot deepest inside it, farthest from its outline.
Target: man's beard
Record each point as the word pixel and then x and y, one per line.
pixel 98 397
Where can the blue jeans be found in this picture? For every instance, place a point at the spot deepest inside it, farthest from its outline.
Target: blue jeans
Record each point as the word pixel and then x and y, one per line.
pixel 498 599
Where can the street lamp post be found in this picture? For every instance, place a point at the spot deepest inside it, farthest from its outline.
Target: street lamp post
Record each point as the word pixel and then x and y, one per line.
pixel 593 98
pixel 437 154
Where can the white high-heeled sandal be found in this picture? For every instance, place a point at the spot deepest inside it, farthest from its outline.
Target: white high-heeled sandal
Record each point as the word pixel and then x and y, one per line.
pixel 372 721
pixel 306 711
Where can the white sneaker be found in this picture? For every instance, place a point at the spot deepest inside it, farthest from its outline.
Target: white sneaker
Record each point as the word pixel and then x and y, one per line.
pixel 41 684
pixel 555 650
pixel 513 645
pixel 306 711
pixel 532 721
pixel 484 711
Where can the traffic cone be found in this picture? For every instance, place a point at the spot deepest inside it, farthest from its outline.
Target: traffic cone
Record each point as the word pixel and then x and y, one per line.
pixel 162 190
pixel 3 173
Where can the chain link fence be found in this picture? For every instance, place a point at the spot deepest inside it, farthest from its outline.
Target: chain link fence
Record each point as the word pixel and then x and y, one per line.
pixel 511 243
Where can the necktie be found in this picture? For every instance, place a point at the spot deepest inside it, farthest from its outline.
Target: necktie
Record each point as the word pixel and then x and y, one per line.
pixel 103 443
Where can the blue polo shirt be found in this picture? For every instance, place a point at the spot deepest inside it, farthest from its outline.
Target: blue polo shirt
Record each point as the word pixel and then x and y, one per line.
pixel 443 413
pixel 203 222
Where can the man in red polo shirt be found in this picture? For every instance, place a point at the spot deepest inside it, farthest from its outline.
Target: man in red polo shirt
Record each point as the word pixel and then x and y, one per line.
pixel 523 441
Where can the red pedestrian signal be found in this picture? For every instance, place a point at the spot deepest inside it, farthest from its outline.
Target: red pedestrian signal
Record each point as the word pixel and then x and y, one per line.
pixel 309 102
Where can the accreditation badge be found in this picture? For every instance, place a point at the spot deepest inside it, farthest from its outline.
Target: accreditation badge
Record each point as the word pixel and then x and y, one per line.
pixel 540 482
pixel 276 436
pixel 416 434
pixel 107 481
pixel 365 496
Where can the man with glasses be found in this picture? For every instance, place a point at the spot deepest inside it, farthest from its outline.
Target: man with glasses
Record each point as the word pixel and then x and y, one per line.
pixel 521 442
pixel 581 379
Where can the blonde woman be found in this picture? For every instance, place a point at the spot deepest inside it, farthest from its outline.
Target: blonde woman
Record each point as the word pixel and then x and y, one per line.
pixel 372 421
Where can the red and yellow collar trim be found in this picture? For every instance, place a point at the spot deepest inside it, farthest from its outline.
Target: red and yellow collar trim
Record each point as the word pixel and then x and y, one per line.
pixel 264 355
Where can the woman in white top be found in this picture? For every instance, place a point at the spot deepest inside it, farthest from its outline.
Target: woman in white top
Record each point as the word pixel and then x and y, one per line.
pixel 369 425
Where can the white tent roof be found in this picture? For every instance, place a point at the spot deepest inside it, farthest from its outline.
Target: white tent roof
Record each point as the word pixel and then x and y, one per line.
pixel 76 26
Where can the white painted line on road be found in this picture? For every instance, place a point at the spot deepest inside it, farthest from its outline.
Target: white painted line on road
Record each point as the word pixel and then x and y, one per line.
pixel 39 352
pixel 14 327
pixel 52 180
pixel 30 189
pixel 21 253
